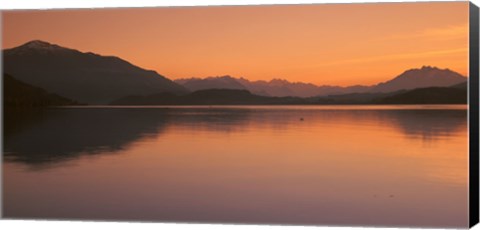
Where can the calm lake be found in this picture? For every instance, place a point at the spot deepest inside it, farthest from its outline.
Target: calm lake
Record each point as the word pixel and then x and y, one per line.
pixel 321 165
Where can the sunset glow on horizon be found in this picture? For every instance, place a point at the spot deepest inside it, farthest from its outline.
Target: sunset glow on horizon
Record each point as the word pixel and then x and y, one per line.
pixel 324 44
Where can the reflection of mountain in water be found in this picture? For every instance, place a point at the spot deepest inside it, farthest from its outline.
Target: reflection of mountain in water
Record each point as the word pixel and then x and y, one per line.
pixel 49 136
pixel 39 138
pixel 428 125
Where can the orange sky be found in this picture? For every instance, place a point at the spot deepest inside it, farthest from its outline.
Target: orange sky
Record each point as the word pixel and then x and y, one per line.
pixel 336 44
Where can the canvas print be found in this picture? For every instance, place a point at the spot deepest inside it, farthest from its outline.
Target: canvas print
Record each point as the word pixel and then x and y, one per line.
pixel 317 114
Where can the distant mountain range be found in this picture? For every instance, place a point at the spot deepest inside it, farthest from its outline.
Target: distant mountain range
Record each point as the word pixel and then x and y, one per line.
pixel 420 78
pixel 84 77
pixel 224 82
pixel 272 88
pixel 415 78
pixel 456 94
pixel 94 79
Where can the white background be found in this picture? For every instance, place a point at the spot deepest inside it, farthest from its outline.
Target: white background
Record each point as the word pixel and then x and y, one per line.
pixel 49 4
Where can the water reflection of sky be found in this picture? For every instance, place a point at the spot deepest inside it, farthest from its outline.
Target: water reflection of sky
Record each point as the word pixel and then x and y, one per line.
pixel 40 137
pixel 242 165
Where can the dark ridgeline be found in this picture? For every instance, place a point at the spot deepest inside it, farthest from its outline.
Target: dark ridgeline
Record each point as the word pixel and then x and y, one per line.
pixel 209 97
pixel 84 77
pixel 463 85
pixel 94 79
pixel 353 98
pixel 272 88
pixel 455 94
pixel 431 95
pixel 415 78
pixel 19 94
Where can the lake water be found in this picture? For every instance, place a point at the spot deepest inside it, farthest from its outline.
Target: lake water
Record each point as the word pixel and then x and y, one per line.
pixel 320 165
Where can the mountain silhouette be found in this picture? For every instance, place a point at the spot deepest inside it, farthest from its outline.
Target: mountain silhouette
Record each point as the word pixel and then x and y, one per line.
pixel 280 88
pixel 421 78
pixel 430 95
pixel 273 88
pixel 95 79
pixel 208 97
pixel 223 82
pixel 456 94
pixel 19 94
pixel 411 79
pixel 463 85
pixel 84 77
